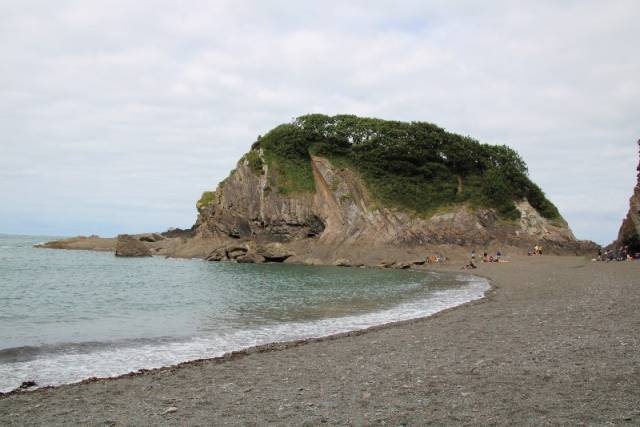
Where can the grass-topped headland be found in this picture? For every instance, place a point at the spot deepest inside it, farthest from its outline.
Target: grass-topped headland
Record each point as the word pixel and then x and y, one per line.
pixel 416 166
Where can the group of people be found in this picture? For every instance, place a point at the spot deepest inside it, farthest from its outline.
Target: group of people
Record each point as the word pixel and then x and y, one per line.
pixel 485 258
pixel 608 255
pixel 436 259
pixel 537 250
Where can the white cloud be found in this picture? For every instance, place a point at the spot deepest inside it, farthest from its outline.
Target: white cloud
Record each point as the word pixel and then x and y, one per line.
pixel 116 115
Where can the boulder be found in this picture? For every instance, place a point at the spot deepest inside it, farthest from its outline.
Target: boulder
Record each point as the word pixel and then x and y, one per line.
pixel 386 264
pixel 250 258
pixel 129 246
pixel 236 251
pixel 342 263
pixel 219 254
pixel 274 252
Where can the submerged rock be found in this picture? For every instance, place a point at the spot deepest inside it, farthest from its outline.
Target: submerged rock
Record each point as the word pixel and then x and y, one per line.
pixel 129 246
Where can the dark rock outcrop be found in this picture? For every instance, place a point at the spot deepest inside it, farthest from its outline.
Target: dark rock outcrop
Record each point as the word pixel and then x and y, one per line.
pixel 629 234
pixel 129 246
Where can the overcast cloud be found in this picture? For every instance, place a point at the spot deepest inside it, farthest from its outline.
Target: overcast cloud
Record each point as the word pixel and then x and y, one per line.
pixel 116 115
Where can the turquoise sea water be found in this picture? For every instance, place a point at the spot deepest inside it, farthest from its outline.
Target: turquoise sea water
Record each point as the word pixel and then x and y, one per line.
pixel 70 315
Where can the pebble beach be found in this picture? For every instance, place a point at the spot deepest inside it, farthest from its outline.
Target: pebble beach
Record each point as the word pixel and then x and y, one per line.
pixel 555 341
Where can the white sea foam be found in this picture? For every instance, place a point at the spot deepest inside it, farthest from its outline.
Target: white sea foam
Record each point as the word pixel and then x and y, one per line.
pixel 56 369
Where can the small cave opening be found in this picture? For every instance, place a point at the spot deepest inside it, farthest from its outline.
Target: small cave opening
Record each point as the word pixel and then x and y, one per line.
pixel 315 226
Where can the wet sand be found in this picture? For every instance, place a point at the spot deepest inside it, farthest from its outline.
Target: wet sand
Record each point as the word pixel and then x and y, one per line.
pixel 557 341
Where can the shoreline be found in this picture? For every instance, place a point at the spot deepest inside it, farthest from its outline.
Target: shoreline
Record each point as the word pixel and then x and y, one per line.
pixel 276 345
pixel 554 341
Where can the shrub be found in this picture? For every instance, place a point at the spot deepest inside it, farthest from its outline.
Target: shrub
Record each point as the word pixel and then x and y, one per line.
pixel 416 166
pixel 207 198
pixel 255 161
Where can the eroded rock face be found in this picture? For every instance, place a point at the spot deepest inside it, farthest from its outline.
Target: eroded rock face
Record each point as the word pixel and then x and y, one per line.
pixel 629 234
pixel 341 213
pixel 129 246
pixel 246 207
pixel 274 252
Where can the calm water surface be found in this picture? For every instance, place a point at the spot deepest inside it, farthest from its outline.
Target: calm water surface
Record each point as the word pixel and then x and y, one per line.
pixel 70 315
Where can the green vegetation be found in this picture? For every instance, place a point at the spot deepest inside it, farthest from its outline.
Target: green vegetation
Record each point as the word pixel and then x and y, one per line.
pixel 286 151
pixel 255 162
pixel 416 166
pixel 206 199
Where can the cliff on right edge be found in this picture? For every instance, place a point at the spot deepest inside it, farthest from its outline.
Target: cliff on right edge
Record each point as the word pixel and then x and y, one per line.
pixel 629 234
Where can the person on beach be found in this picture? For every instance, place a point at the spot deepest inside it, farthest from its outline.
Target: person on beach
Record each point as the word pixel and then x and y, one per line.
pixel 623 253
pixel 609 255
pixel 485 257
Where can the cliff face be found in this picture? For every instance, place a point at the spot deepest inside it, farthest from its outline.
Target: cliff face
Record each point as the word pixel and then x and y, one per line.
pixel 341 220
pixel 629 233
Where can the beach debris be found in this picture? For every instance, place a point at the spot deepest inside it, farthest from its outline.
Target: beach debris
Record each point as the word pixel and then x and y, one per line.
pixel 170 410
pixel 28 384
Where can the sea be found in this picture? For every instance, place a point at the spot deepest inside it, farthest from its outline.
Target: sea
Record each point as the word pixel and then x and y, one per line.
pixel 70 315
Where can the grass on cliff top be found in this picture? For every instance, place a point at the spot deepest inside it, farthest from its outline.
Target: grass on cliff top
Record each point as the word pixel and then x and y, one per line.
pixel 414 166
pixel 290 175
pixel 206 199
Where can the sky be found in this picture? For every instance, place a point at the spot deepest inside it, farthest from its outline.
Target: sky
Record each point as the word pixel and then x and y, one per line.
pixel 115 116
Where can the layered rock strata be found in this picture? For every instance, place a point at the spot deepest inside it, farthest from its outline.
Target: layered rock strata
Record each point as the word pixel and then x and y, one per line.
pixel 341 223
pixel 629 233
pixel 247 219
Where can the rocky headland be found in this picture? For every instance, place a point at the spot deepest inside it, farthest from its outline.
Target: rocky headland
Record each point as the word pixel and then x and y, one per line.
pixel 629 234
pixel 346 190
